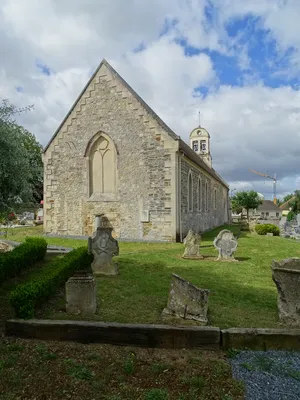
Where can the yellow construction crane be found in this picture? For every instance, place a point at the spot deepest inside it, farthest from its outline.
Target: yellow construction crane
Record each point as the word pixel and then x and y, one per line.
pixel 269 177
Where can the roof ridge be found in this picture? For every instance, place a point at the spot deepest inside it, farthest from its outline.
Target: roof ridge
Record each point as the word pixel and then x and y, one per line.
pixel 131 90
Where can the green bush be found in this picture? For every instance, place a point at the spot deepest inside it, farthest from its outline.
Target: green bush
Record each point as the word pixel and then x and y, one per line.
pixel 291 215
pixel 25 298
pixel 22 257
pixel 263 229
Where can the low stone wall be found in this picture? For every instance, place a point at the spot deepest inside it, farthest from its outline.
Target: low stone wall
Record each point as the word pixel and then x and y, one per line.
pixel 159 336
pixel 261 339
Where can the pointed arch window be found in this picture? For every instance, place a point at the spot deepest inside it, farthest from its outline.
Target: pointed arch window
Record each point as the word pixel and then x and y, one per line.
pixel 215 198
pixel 199 193
pixel 190 192
pixel 206 196
pixel 102 165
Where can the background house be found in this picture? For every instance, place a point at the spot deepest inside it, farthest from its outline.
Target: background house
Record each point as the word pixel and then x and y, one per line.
pixel 269 210
pixel 286 207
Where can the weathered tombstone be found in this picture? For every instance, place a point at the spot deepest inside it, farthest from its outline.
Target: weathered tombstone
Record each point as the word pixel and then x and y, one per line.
pixel 286 276
pixel 192 246
pixel 298 219
pixel 282 223
pixel 103 246
pixel 226 244
pixel 270 234
pixel 81 294
pixel 4 247
pixel 186 301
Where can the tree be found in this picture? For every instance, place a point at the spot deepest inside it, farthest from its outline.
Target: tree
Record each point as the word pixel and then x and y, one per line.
pixel 295 203
pixel 20 161
pixel 236 208
pixel 247 200
pixel 287 197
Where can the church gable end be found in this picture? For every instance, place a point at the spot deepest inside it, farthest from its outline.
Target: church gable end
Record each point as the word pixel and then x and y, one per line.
pixel 111 156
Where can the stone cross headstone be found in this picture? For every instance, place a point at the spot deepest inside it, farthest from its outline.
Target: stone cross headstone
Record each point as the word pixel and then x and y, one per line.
pixel 286 276
pixel 186 301
pixel 226 244
pixel 103 246
pixel 192 245
pixel 81 294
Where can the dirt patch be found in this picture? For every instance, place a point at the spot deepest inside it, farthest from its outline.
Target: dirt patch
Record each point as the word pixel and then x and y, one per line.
pixel 31 369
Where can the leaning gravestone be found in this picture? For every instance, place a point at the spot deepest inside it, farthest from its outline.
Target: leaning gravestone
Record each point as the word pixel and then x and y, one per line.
pixel 81 294
pixel 103 246
pixel 226 244
pixel 186 301
pixel 286 276
pixel 192 246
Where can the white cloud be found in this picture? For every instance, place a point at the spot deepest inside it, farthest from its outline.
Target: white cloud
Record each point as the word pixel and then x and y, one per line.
pixel 251 126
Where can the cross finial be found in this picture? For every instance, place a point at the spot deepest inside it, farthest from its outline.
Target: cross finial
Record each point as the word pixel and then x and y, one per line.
pixel 199 120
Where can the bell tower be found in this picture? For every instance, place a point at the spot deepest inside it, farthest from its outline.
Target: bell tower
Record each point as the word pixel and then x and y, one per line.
pixel 200 143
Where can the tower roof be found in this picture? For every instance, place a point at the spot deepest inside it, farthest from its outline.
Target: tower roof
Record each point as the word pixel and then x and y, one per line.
pixel 199 131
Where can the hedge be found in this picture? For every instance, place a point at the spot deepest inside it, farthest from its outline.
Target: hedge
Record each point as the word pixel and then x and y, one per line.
pixel 26 297
pixel 263 229
pixel 22 257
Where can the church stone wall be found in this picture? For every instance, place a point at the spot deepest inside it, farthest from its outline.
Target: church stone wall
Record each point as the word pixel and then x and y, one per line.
pixel 200 219
pixel 145 173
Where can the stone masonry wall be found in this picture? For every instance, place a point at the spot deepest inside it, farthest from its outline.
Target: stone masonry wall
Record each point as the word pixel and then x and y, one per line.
pixel 145 160
pixel 199 219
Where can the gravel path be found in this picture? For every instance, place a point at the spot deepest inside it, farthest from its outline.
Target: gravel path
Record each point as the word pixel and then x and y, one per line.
pixel 269 375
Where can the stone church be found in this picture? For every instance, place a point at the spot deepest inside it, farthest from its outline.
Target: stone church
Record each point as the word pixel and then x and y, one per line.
pixel 112 156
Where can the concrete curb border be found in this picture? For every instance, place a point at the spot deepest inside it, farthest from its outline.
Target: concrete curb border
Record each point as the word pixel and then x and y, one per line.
pixel 159 336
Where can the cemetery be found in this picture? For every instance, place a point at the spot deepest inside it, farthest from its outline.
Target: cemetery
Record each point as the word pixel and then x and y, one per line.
pixel 166 295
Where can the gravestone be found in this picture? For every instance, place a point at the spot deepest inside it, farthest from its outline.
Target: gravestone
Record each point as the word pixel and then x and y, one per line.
pixel 186 301
pixel 270 234
pixel 103 246
pixel 81 294
pixel 192 246
pixel 226 244
pixel 298 219
pixel 4 247
pixel 282 223
pixel 286 276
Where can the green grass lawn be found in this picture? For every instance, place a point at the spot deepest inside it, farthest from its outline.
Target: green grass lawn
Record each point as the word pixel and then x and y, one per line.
pixel 242 293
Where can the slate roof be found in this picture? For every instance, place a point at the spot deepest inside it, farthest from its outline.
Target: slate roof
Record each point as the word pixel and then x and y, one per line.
pixel 183 147
pixel 268 205
pixel 286 205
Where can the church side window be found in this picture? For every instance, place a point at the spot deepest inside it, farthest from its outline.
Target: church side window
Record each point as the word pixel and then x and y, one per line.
pixel 102 166
pixel 199 195
pixel 206 196
pixel 215 198
pixel 190 193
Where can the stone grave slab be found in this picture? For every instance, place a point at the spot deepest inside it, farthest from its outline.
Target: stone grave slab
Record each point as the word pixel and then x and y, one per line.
pixel 286 276
pixel 81 294
pixel 186 301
